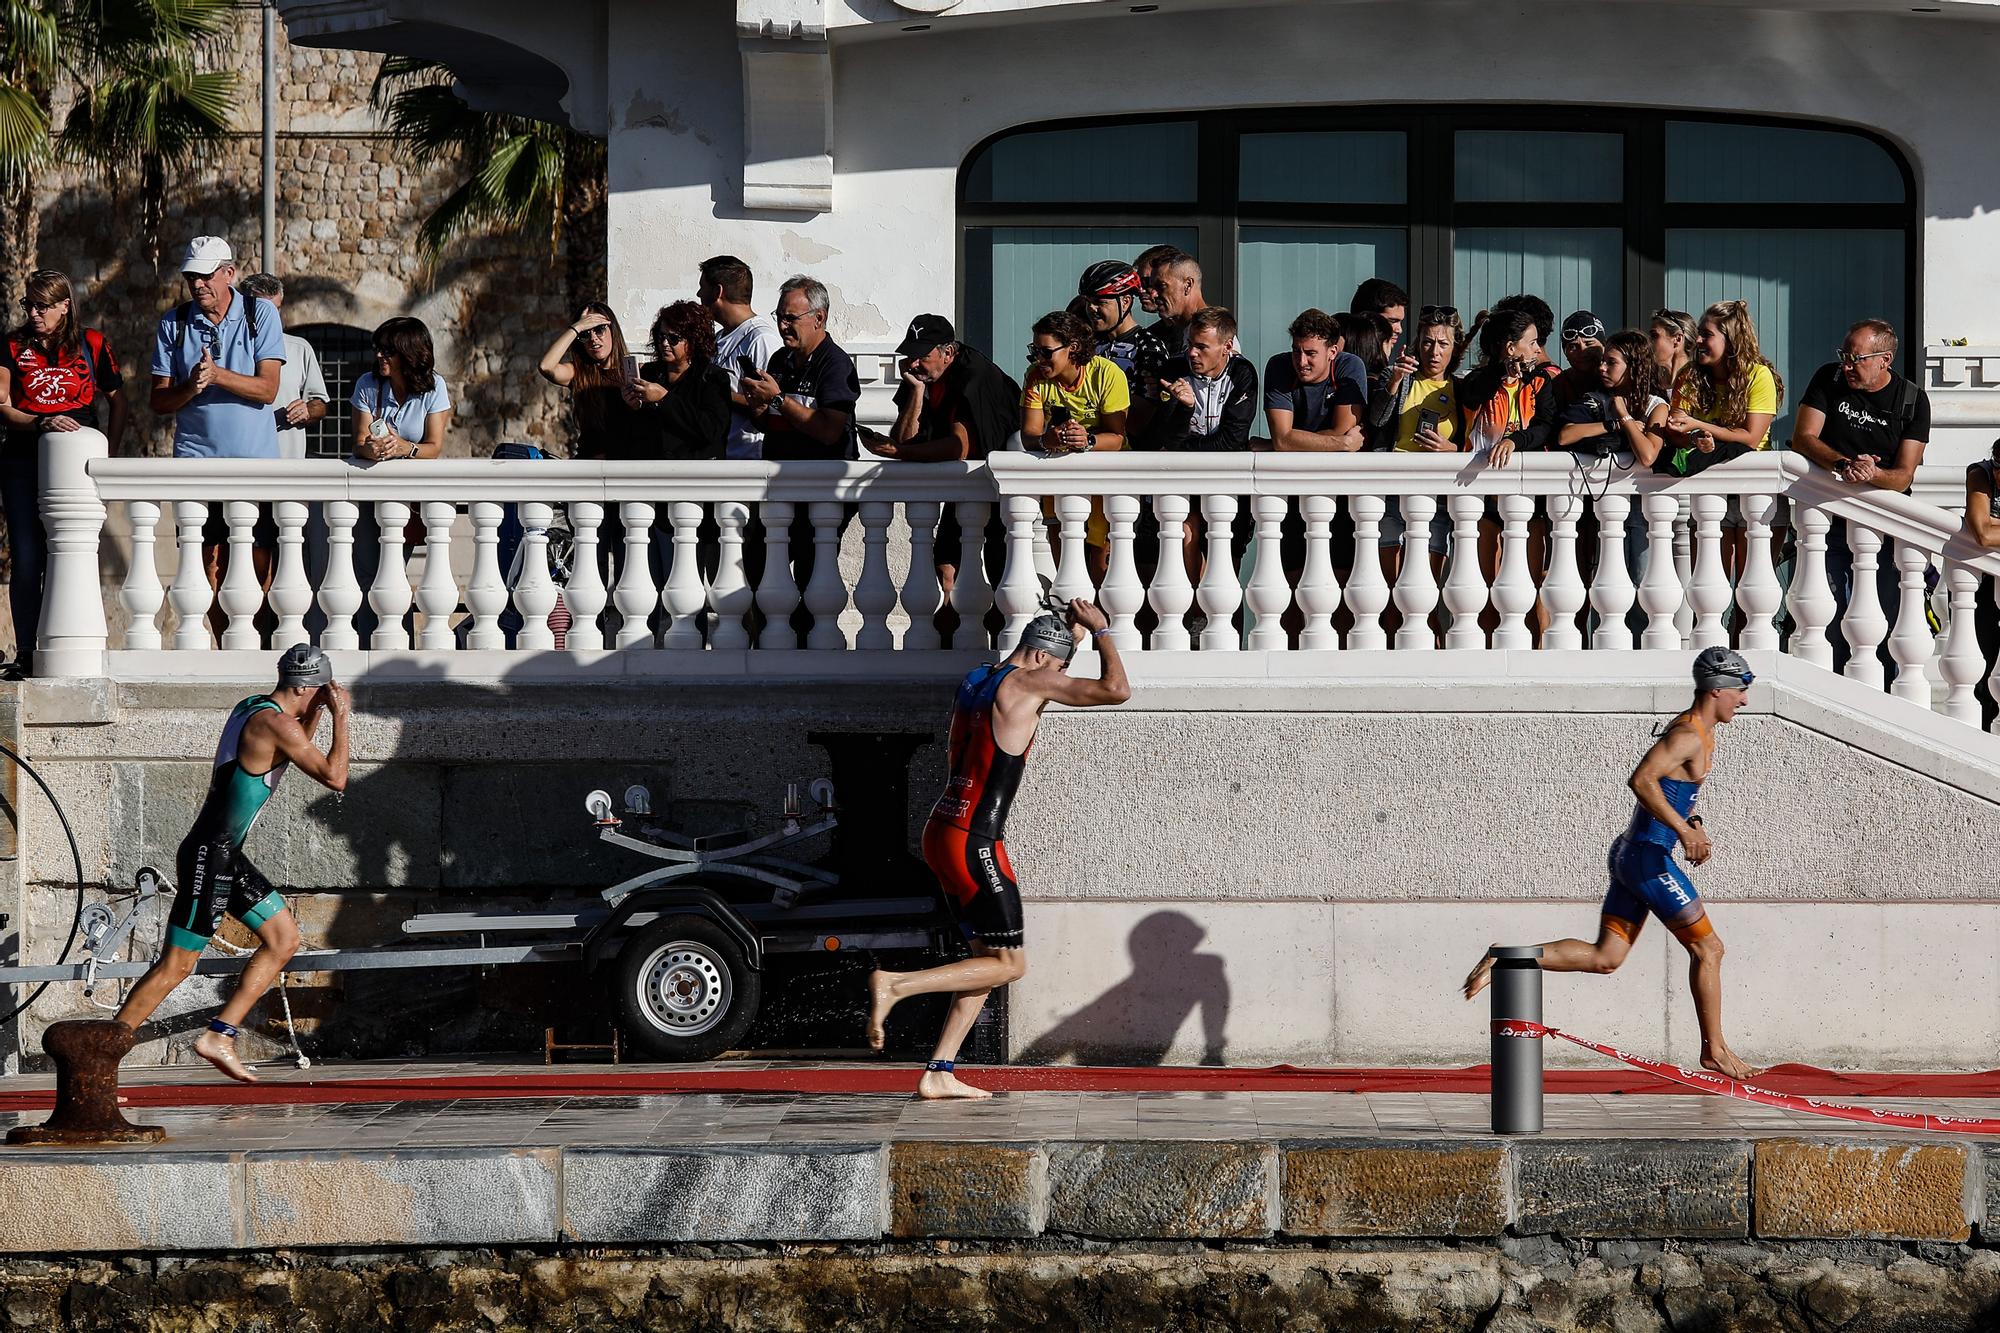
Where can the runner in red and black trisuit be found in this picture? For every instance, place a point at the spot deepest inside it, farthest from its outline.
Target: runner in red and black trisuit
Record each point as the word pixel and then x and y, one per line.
pixel 993 723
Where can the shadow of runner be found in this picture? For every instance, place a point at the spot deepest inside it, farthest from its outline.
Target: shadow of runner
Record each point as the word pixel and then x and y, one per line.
pixel 1134 1023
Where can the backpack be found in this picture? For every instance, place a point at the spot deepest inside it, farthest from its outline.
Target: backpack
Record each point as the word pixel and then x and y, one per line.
pixel 184 315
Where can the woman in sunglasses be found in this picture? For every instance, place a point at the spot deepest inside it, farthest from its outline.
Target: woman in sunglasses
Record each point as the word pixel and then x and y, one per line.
pixel 590 358
pixel 1724 406
pixel 1073 401
pixel 401 408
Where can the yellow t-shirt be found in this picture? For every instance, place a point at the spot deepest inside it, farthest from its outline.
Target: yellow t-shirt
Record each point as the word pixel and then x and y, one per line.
pixel 1513 392
pixel 1763 398
pixel 1439 396
pixel 1101 391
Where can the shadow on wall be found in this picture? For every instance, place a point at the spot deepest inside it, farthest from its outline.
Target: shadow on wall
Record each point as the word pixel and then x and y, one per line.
pixel 1134 1023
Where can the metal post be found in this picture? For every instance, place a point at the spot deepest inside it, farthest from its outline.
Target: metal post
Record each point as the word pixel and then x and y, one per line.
pixel 1517 1061
pixel 270 237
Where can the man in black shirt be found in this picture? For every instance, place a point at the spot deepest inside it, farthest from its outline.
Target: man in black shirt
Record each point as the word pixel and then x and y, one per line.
pixel 805 399
pixel 1866 425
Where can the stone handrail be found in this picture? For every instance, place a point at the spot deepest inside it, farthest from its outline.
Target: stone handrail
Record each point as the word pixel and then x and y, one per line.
pixel 1543 554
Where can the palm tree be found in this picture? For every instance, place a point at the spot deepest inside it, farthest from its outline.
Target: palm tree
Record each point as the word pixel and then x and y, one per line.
pixel 528 177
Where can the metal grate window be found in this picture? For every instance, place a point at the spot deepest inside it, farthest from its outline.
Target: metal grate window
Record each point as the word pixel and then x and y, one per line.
pixel 345 353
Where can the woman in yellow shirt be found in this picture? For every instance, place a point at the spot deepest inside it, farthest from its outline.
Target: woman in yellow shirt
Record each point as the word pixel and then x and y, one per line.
pixel 1071 402
pixel 1729 396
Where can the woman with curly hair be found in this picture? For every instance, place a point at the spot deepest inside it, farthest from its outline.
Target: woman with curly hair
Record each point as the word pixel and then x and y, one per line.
pixel 1723 407
pixel 683 396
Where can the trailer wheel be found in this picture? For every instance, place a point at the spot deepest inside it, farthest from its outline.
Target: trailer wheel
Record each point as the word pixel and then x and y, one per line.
pixel 683 989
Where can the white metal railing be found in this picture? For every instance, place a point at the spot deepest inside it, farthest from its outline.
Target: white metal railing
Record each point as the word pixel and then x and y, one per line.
pixel 1555 532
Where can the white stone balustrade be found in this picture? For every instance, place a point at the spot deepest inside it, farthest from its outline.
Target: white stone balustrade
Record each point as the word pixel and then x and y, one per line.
pixel 675 567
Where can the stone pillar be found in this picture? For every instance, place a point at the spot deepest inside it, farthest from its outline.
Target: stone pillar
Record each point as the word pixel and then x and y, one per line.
pixel 71 642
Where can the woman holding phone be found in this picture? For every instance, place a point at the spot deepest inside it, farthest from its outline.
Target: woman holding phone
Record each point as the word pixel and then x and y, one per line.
pixel 590 359
pixel 682 398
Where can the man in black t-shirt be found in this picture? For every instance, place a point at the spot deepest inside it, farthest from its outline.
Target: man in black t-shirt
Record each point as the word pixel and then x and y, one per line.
pixel 805 399
pixel 1866 425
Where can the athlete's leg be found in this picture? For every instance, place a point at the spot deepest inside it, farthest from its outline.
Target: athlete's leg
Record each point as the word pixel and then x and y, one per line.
pixel 943 1084
pixel 1603 956
pixel 174 967
pixel 1704 948
pixel 257 905
pixel 978 881
pixel 200 870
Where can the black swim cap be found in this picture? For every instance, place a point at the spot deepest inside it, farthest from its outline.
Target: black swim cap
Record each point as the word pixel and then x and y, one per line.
pixel 304 667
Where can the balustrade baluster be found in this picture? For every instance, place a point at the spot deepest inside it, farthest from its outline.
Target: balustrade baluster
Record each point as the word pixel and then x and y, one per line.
pixel 142 594
pixel 1072 578
pixel 242 596
pixel 486 593
pixel 190 593
pixel 339 592
pixel 585 594
pixel 826 593
pixel 1045 552
pixel 1684 613
pixel 534 591
pixel 684 596
pixel 1864 626
pixel 291 591
pixel 1611 590
pixel 1171 594
pixel 1416 591
pixel 1465 590
pixel 1319 587
pixel 1268 595
pixel 777 591
pixel 1514 587
pixel 730 596
pixel 1563 589
pixel 1660 592
pixel 1221 589
pixel 1367 589
pixel 389 598
pixel 635 596
pixel 1020 593
pixel 437 596
pixel 1708 589
pixel 921 594
pixel 972 591
pixel 1122 594
pixel 1962 663
pixel 1811 601
pixel 1758 596
pixel 875 591
pixel 1912 642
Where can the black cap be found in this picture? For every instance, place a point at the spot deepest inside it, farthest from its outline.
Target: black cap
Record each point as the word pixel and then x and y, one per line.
pixel 1582 324
pixel 926 332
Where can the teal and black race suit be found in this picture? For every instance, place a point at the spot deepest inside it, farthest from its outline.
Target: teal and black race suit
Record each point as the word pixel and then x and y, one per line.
pixel 213 875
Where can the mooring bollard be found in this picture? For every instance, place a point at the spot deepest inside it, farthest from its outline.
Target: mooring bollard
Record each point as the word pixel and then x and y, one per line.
pixel 1517 1060
pixel 86 1052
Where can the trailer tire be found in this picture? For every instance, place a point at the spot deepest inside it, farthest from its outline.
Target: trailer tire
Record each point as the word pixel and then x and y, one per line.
pixel 684 990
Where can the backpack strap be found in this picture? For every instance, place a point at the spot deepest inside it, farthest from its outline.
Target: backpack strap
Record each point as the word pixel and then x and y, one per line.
pixel 1906 404
pixel 184 313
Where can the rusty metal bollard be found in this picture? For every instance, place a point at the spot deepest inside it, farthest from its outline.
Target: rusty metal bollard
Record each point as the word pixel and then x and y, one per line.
pixel 86 1052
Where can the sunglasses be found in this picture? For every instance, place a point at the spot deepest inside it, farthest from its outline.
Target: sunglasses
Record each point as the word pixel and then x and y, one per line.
pixel 1037 352
pixel 41 307
pixel 671 340
pixel 596 331
pixel 1442 312
pixel 1852 361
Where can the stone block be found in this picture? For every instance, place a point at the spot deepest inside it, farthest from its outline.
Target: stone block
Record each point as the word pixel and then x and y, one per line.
pixel 78 1201
pixel 1637 1188
pixel 967 1189
pixel 1378 1188
pixel 1872 1191
pixel 1173 1189
pixel 752 1193
pixel 439 1196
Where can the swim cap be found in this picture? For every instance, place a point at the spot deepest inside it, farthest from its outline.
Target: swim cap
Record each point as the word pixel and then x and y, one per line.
pixel 304 667
pixel 1720 668
pixel 1050 634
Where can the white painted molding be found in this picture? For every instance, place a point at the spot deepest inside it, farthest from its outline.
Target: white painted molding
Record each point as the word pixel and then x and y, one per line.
pixel 787 124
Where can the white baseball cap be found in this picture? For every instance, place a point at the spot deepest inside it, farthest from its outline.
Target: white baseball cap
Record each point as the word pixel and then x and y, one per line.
pixel 205 254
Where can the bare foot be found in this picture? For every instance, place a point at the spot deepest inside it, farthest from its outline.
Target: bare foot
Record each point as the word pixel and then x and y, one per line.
pixel 1480 975
pixel 220 1051
pixel 1725 1063
pixel 881 999
pixel 938 1086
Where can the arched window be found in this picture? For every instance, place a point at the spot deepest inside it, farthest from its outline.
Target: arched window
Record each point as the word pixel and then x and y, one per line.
pixel 1615 210
pixel 344 352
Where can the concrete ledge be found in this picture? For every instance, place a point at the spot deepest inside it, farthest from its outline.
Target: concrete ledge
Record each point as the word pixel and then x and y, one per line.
pixel 1359 1188
pixel 1696 1188
pixel 967 1189
pixel 73 1202
pixel 758 1192
pixel 1170 1190
pixel 464 1196
pixel 1863 1191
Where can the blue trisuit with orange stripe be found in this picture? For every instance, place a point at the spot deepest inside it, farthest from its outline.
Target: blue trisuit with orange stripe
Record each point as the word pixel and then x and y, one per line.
pixel 1644 875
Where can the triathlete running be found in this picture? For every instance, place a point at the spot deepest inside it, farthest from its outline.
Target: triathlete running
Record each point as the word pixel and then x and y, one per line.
pixel 993 724
pixel 1644 877
pixel 264 734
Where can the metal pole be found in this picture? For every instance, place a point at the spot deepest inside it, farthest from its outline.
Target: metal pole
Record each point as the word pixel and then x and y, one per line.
pixel 1517 1061
pixel 270 238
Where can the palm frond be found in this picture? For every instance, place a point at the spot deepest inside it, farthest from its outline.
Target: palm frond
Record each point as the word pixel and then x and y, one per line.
pixel 24 133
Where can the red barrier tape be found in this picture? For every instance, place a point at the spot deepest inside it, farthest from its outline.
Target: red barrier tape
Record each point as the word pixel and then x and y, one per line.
pixel 1703 1081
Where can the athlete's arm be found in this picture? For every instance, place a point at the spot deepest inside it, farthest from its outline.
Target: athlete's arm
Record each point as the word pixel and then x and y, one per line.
pixel 294 743
pixel 1672 753
pixel 1110 688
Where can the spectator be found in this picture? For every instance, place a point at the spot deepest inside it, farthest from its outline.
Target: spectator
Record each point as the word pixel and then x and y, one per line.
pixel 1109 291
pixel 1626 409
pixel 1148 260
pixel 806 397
pixel 748 342
pixel 1538 310
pixel 56 376
pixel 1369 339
pixel 1583 345
pixel 590 359
pixel 1724 408
pixel 1073 401
pixel 1176 289
pixel 401 408
pixel 302 397
pixel 1314 395
pixel 217 359
pixel 1417 411
pixel 1868 426
pixel 1497 397
pixel 1673 334
pixel 1982 519
pixel 953 404
pixel 1209 395
pixel 1379 296
pixel 682 397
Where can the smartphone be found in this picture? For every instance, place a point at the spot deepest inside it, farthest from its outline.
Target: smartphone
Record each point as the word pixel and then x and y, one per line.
pixel 1427 420
pixel 746 365
pixel 630 367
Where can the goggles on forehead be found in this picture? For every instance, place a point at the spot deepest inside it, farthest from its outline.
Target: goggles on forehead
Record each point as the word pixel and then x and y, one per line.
pixel 1591 330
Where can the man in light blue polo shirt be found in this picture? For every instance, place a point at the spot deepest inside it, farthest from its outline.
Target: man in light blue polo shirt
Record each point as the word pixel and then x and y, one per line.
pixel 216 360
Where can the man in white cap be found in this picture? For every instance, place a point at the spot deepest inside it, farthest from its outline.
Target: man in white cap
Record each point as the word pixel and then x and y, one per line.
pixel 216 362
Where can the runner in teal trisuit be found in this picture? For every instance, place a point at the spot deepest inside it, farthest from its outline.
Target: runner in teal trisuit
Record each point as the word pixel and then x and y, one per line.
pixel 263 735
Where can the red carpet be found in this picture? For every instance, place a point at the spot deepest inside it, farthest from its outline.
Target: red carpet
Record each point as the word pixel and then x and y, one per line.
pixel 611 1081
